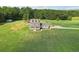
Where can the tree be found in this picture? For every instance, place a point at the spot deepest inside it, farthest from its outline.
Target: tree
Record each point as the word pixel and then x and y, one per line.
pixel 25 17
pixel 26 11
pixel 2 18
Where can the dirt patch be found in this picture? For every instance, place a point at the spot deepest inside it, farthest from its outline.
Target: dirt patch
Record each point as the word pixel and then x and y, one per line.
pixel 16 27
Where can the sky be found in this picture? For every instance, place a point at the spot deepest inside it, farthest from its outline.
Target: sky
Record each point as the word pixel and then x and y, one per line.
pixel 42 4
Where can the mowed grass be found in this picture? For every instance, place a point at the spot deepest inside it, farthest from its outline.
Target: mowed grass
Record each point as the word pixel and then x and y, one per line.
pixel 17 36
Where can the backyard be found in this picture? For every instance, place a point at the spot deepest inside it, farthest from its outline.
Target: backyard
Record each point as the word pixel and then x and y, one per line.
pixel 16 36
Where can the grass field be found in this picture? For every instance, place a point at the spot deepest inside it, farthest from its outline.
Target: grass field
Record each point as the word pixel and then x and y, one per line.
pixel 16 36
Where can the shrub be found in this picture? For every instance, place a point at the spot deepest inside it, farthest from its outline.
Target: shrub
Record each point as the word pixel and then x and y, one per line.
pixel 64 17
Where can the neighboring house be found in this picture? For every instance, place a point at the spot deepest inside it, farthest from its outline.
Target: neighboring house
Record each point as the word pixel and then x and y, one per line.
pixel 36 24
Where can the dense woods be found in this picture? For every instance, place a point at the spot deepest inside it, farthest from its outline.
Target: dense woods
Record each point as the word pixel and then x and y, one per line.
pixel 26 13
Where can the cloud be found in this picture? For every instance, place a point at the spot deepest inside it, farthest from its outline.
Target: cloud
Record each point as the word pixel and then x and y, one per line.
pixel 39 2
pixel 13 2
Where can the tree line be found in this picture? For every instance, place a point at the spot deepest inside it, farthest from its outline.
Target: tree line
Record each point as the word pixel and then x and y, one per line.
pixel 26 13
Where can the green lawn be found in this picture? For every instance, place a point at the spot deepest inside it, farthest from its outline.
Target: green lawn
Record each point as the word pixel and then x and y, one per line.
pixel 46 40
